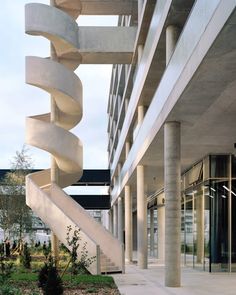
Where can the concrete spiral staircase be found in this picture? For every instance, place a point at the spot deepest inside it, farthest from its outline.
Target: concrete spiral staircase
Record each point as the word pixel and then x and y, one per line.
pixel 57 77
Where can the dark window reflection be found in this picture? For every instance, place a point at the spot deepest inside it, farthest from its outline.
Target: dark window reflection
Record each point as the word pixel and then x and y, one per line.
pixel 219 225
pixel 219 166
pixel 233 166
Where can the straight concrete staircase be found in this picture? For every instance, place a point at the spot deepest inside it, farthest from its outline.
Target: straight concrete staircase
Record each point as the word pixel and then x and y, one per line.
pixel 107 266
pixel 59 211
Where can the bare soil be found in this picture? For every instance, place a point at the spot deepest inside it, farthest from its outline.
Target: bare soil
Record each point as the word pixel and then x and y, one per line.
pixel 88 289
pixel 98 291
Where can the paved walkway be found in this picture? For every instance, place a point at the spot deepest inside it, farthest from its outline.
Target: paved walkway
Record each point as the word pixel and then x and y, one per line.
pixel 151 282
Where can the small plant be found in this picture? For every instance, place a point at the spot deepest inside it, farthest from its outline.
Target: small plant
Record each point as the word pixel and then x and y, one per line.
pixel 73 241
pixel 49 279
pixel 26 257
pixel 63 248
pixel 46 250
pixel 9 290
pixel 91 290
pixel 43 276
pixel 6 270
pixel 84 261
pixel 53 284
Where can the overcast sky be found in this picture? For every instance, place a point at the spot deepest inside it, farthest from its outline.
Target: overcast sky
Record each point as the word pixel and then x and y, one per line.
pixel 19 100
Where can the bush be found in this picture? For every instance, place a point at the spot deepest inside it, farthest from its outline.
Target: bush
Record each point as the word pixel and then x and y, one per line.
pixel 49 279
pixel 26 257
pixel 6 270
pixel 53 284
pixel 46 250
pixel 43 276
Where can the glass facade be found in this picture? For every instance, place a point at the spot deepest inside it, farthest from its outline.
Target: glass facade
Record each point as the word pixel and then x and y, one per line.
pixel 208 219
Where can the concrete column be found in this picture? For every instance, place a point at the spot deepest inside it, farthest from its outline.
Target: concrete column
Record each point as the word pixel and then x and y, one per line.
pixel 126 72
pixel 140 47
pixel 172 35
pixel 128 225
pixel 126 66
pixel 200 228
pixel 55 247
pixel 140 7
pixel 110 142
pixel 110 220
pixel 128 216
pixel 119 210
pixel 115 221
pixel 54 167
pixel 141 219
pixel 127 149
pixel 119 167
pixel 120 220
pixel 126 104
pixel 141 208
pixel 172 203
pixel 151 211
pixel 119 102
pixel 119 132
pixel 114 128
pixel 140 53
pixel 160 229
pixel 141 113
pixel 135 239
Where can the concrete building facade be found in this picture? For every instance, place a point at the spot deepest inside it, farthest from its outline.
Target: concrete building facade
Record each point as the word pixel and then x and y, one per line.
pixel 171 129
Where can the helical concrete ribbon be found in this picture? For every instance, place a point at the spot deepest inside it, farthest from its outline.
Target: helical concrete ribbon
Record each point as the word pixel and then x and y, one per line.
pixel 59 80
pixel 57 77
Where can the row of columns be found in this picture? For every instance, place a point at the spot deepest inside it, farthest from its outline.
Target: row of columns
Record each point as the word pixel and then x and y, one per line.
pixel 168 217
pixel 169 214
pixel 124 230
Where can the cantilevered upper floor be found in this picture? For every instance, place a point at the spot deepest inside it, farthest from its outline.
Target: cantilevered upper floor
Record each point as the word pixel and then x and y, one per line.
pixel 194 84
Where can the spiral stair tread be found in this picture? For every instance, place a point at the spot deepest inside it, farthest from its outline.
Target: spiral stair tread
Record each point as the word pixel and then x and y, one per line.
pixel 72 7
pixel 59 80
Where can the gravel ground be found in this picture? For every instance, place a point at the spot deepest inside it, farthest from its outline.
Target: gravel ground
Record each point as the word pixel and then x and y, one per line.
pixel 90 291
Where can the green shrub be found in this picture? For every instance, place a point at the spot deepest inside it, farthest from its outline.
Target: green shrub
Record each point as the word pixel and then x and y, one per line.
pixel 73 241
pixel 9 290
pixel 46 250
pixel 43 276
pixel 49 279
pixel 6 270
pixel 26 257
pixel 53 284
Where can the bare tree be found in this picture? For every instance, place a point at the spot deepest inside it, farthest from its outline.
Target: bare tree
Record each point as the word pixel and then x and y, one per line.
pixel 15 215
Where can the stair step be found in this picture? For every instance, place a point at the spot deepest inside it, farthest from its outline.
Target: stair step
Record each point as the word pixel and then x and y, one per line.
pixel 53 204
pixel 110 269
pixel 107 266
pixel 105 260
